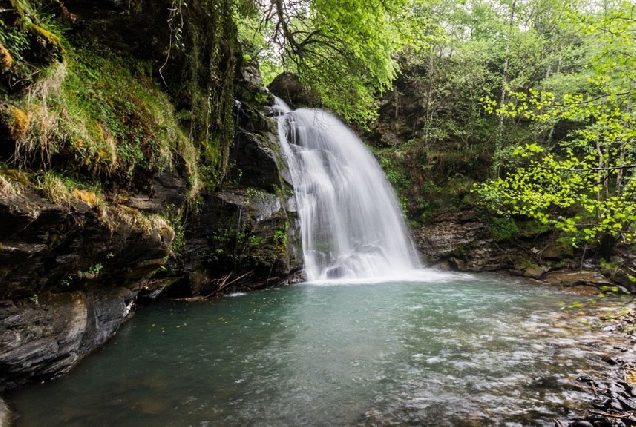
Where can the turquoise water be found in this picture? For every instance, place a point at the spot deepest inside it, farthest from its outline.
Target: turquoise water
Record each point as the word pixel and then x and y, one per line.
pixel 450 350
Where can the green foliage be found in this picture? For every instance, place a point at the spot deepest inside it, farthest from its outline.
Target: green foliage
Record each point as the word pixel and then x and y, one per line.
pixel 344 51
pixel 114 126
pixel 585 185
pixel 175 216
pixel 564 194
pixel 394 174
pixel 280 238
pixel 15 40
pixel 253 194
pixel 65 190
pixel 503 228
pixel 92 272
pixel 108 121
pixel 26 46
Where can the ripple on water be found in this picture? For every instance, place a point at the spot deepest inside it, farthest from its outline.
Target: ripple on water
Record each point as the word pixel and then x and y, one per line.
pixel 448 351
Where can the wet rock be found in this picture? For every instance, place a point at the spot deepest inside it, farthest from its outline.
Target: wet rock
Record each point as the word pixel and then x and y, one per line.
pixel 534 273
pixel 546 383
pixel 258 161
pixel 628 403
pixel 602 403
pixel 167 188
pixel 43 339
pixel 570 279
pixel 624 279
pixel 293 92
pixel 241 240
pixel 581 424
pixel 462 242
pixel 616 406
pixel 612 360
pixel 246 235
pixel 69 275
pixel 557 252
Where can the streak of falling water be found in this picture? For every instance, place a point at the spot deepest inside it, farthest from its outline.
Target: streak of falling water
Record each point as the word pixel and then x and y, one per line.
pixel 352 227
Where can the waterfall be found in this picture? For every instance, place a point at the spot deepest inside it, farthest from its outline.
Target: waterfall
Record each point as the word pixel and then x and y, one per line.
pixel 352 227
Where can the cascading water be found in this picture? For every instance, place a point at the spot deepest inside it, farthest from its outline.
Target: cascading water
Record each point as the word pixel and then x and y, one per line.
pixel 351 222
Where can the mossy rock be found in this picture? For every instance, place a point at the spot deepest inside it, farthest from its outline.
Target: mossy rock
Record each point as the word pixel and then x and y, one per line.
pixel 558 251
pixel 26 49
pixel 49 42
pixel 14 124
pixel 6 60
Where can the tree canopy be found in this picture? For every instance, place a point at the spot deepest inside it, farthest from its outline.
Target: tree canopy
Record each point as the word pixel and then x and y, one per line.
pixel 344 49
pixel 583 184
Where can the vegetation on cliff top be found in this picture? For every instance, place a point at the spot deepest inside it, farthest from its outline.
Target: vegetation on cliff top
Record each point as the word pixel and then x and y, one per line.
pixel 83 111
pixel 490 78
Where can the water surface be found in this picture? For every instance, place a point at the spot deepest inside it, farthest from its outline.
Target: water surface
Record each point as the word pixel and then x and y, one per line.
pixel 448 350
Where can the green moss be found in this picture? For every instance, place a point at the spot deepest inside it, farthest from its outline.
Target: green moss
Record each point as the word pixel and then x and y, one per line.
pixel 15 120
pixel 47 36
pixel 532 227
pixel 95 116
pixel 463 249
pixel 6 60
pixel 503 228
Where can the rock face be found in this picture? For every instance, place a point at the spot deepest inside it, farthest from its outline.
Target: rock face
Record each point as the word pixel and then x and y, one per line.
pixel 293 92
pixel 464 241
pixel 69 275
pixel 73 265
pixel 461 241
pixel 70 272
pixel 45 338
pixel 5 414
pixel 247 235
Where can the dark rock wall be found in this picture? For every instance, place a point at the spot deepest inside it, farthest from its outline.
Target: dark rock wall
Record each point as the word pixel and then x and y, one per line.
pixel 247 235
pixel 69 277
pixel 46 338
pixel 72 270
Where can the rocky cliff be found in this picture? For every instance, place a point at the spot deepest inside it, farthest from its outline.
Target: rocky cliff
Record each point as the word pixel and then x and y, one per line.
pixel 135 158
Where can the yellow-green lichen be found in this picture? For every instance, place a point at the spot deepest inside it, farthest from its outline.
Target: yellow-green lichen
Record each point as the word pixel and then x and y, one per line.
pixel 6 60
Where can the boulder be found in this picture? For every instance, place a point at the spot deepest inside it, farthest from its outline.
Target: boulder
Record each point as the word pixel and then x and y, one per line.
pixel 288 87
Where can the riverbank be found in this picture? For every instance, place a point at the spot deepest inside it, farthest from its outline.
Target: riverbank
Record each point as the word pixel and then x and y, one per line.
pixel 614 402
